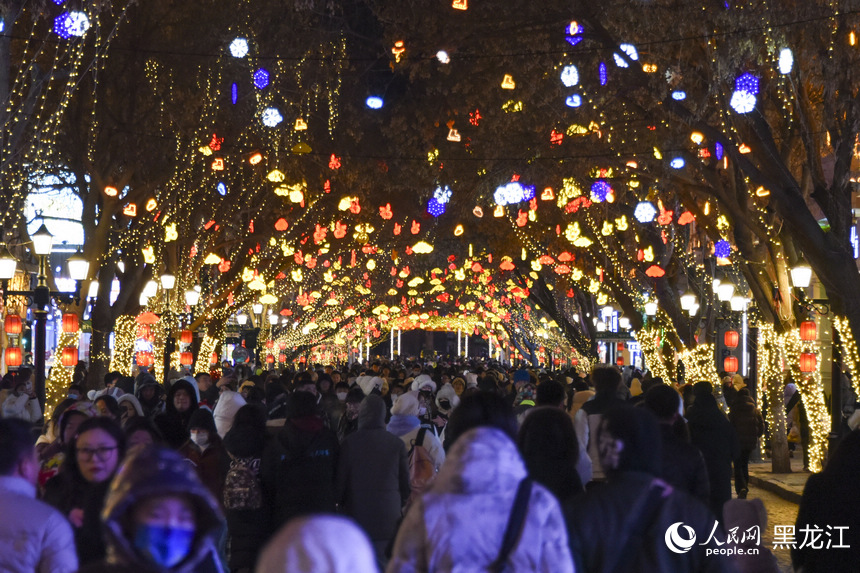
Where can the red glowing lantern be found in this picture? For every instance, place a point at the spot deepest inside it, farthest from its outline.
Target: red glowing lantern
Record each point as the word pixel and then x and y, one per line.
pixel 144 332
pixel 808 331
pixel 13 357
pixel 808 362
pixel 270 359
pixel 13 325
pixel 70 322
pixel 186 337
pixel 282 345
pixel 730 339
pixel 213 358
pixel 574 361
pixel 282 357
pixel 730 364
pixel 70 356
pixel 144 359
pixel 270 344
pixel 619 361
pixel 186 358
pixel 620 347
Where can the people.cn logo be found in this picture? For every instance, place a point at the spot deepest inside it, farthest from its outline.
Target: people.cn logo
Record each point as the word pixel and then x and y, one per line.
pixel 676 542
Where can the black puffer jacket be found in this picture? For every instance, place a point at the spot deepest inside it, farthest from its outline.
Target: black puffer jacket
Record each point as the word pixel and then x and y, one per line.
pixel 747 421
pixel 713 434
pixel 154 472
pixel 683 465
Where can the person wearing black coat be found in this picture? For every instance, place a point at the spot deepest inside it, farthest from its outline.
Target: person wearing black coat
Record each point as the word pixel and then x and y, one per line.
pixel 298 466
pixel 713 434
pixel 247 529
pixel 749 425
pixel 173 422
pixel 683 465
pixel 373 476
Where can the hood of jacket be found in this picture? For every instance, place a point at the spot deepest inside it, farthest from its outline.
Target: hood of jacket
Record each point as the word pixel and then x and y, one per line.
pixel 421 381
pixel 182 384
pixel 369 383
pixel 483 460
pixel 447 392
pixel 371 415
pixel 152 472
pixel 133 401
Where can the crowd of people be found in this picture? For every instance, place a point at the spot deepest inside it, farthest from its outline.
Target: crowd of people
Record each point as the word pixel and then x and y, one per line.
pixel 394 466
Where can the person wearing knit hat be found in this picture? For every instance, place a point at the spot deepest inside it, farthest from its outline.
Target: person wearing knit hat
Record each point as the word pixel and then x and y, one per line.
pixel 423 382
pixel 370 383
pixel 521 376
pixel 204 450
pixel 459 385
pixel 405 424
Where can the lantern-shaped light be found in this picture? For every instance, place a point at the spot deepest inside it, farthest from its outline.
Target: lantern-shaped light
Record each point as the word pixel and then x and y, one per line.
pixel 730 339
pixel 688 299
pixel 213 358
pixel 242 319
pixel 186 337
pixel 70 322
pixel 70 356
pixel 650 308
pixel 144 359
pixel 282 345
pixel 186 358
pixel 13 357
pixel 619 361
pixel 808 330
pixel 808 362
pixel 144 332
pixel 270 359
pixel 801 275
pixel 12 324
pixel 282 357
pixel 730 364
pixel 8 264
pixel 574 361
pixel 270 344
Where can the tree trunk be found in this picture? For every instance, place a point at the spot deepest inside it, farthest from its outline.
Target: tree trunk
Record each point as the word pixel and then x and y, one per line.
pixel 781 464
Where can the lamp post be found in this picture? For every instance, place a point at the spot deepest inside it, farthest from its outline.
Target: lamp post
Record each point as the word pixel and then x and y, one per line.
pixel 40 297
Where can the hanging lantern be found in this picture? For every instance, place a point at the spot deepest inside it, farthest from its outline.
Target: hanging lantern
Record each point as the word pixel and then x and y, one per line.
pixel 13 325
pixel 144 359
pixel 730 364
pixel 270 344
pixel 270 359
pixel 730 339
pixel 186 337
pixel 213 358
pixel 574 361
pixel 13 356
pixel 144 332
pixel 620 347
pixel 808 362
pixel 619 361
pixel 70 322
pixel 282 357
pixel 282 345
pixel 186 358
pixel 70 355
pixel 808 330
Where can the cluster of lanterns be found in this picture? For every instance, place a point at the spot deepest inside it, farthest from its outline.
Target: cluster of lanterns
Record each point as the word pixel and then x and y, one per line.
pixel 14 327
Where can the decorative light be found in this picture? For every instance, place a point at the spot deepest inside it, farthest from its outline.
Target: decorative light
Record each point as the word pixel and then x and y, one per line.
pixel 693 309
pixel 435 208
pixel 730 364
pixel 688 299
pixel 257 308
pixel 143 299
pixel 192 296
pixel 79 267
pixel 93 290
pixel 271 117
pixel 13 324
pixel 74 23
pixel 422 248
pixel 443 57
pixel 374 102
pixel 239 48
pixel 569 76
pixel 801 275
pixel 645 212
pixel 737 303
pixel 600 190
pixel 650 308
pixel 574 100
pixel 513 192
pixel 574 33
pixel 722 249
pixel 677 163
pixel 273 319
pixel 744 97
pixel 624 323
pixel 630 51
pixel 168 281
pixel 601 72
pixel 43 241
pixel 8 264
pixel 808 331
pixel 808 362
pixel 747 83
pixel 679 95
pixel 221 188
pixel 725 292
pixel 150 289
pixel 242 319
pixel 261 79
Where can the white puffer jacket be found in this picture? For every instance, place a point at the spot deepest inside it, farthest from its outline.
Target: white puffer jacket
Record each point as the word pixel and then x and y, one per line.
pixel 459 523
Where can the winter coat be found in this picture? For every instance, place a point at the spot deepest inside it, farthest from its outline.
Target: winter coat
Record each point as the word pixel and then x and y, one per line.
pixel 207 463
pixel 248 529
pixel 407 427
pixel 713 434
pixel 173 424
pixel 747 421
pixel 459 523
pixel 228 404
pixel 68 491
pixel 298 469
pixel 373 476
pixel 598 519
pixel 152 472
pixel 38 539
pixel 683 466
pixel 154 406
pixel 593 412
pixel 22 407
pixel 318 544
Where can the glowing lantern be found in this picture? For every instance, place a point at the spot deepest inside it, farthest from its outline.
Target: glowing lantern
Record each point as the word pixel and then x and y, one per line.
pixel 270 344
pixel 186 337
pixel 574 361
pixel 186 358
pixel 807 362
pixel 144 359
pixel 730 364
pixel 730 339
pixel 13 357
pixel 808 330
pixel 619 361
pixel 12 324
pixel 70 322
pixel 213 358
pixel 70 356
pixel 270 359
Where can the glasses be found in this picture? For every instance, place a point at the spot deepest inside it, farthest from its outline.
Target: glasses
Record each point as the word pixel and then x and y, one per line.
pixel 101 453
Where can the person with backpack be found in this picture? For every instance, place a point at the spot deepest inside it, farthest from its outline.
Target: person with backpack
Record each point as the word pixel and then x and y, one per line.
pixel 405 425
pixel 204 450
pixel 243 500
pixel 373 478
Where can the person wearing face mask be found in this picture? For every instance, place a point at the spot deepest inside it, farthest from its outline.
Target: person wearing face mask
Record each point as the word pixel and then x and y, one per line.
pixel 405 425
pixel 78 490
pixel 22 403
pixel 205 451
pixel 159 518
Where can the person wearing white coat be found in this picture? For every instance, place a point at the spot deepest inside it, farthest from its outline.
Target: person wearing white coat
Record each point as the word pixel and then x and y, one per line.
pixel 458 524
pixel 22 404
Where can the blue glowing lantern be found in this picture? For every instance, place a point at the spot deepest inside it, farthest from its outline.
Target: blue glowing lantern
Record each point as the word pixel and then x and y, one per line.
pixel 679 95
pixel 600 189
pixel 744 97
pixel 645 212
pixel 435 208
pixel 601 71
pixel 69 24
pixel 747 83
pixel 261 79
pixel 234 93
pixel 513 192
pixel 374 102
pixel 574 33
pixel 718 150
pixel 722 249
pixel 221 188
pixel 574 100
pixel 677 163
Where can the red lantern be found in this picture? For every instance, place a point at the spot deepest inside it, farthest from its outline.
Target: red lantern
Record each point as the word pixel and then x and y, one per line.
pixel 144 359
pixel 13 325
pixel 70 356
pixel 619 361
pixel 282 357
pixel 282 345
pixel 13 357
pixel 620 347
pixel 70 322
pixel 186 337
pixel 731 340
pixel 186 358
pixel 808 331
pixel 808 362
pixel 574 361
pixel 270 359
pixel 144 332
pixel 730 364
pixel 270 344
pixel 213 358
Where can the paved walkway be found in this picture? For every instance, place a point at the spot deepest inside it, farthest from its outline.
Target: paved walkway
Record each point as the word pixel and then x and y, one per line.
pixel 787 486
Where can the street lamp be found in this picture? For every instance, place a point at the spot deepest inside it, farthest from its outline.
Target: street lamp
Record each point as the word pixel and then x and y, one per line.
pixel 801 275
pixel 8 264
pixel 192 296
pixel 688 299
pixel 168 281
pixel 651 308
pixel 258 308
pixel 43 241
pixel 725 292
pixel 242 319
pixel 79 267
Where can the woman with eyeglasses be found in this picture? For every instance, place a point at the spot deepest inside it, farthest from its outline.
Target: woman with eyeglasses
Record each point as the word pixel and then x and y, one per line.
pixel 78 490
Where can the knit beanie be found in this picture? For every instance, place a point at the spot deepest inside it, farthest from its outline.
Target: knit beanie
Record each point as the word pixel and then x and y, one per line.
pixel 406 405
